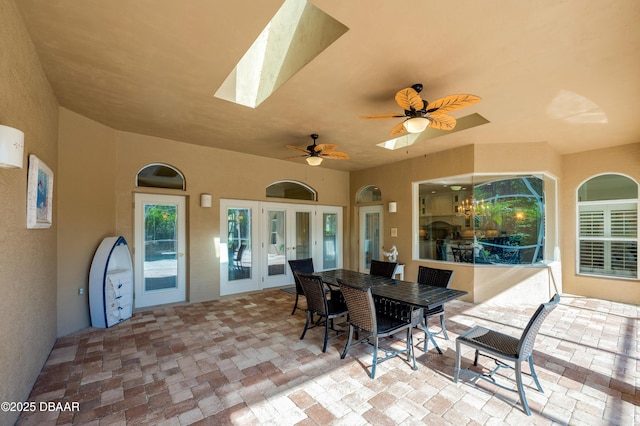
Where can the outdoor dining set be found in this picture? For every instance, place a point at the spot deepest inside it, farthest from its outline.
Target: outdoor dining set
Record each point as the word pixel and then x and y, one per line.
pixel 376 306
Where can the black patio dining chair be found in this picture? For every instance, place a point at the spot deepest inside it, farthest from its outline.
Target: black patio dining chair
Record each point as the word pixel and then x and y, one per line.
pixel 499 346
pixel 364 319
pixel 318 303
pixel 437 278
pixel 382 269
pixel 304 266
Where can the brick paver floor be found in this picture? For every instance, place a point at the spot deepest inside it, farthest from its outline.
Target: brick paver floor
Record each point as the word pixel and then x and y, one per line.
pixel 240 361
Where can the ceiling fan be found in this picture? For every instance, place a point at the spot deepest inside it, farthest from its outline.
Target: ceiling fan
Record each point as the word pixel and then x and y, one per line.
pixel 315 153
pixel 420 114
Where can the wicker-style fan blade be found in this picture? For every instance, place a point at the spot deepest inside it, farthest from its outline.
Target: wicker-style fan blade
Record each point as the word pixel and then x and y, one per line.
pixel 452 103
pixel 297 148
pixel 399 128
pixel 409 99
pixel 325 147
pixel 336 155
pixel 442 121
pixel 381 116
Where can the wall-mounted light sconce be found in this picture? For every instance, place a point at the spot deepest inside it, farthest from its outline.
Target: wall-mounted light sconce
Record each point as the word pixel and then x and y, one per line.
pixel 11 147
pixel 205 200
pixel 393 207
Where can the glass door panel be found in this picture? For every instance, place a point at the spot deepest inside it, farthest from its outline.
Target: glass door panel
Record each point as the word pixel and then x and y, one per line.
pixel 160 249
pixel 303 235
pixel 240 254
pixel 370 236
pixel 329 241
pixel 239 243
pixel 277 242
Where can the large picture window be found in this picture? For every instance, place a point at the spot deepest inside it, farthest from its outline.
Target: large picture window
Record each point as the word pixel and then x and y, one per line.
pixel 484 219
pixel 608 227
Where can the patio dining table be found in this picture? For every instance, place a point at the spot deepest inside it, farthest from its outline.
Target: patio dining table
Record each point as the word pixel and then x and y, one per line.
pixel 390 293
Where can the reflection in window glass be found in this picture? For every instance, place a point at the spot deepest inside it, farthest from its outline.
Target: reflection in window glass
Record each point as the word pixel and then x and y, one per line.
pixel 291 190
pixel 330 240
pixel 369 194
pixel 160 176
pixel 239 243
pixel 608 227
pixel 482 219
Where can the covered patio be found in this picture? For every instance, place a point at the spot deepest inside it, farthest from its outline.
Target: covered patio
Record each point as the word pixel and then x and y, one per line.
pixel 240 361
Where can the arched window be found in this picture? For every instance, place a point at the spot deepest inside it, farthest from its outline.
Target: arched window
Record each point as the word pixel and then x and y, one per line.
pixel 159 175
pixel 291 190
pixel 369 194
pixel 608 226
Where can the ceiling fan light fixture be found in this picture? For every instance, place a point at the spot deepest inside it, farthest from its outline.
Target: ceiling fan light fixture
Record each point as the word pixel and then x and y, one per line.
pixel 314 161
pixel 416 124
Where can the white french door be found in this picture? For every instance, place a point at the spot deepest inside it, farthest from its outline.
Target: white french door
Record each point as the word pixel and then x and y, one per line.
pixel 287 234
pixel 371 236
pixel 160 249
pixel 239 246
pixel 262 237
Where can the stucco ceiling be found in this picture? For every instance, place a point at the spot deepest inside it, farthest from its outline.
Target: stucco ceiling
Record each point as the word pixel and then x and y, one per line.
pixel 563 72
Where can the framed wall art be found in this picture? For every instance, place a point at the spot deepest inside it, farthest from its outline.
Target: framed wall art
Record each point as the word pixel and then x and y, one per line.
pixel 39 194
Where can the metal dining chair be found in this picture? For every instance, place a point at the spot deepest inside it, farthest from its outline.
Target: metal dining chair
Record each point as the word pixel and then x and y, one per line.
pixel 382 269
pixel 304 266
pixel 318 304
pixel 374 325
pixel 437 278
pixel 497 346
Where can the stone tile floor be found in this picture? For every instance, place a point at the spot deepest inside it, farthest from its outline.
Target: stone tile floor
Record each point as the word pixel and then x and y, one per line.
pixel 240 361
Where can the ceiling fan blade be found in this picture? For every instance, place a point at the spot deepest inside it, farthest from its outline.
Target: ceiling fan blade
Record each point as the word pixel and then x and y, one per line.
pixel 336 155
pixel 409 99
pixel 381 116
pixel 295 156
pixel 325 147
pixel 398 129
pixel 452 103
pixel 441 121
pixel 297 148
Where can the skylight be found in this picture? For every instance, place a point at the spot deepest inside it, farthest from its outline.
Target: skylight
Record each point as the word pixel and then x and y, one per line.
pixel 298 33
pixel 400 142
pixel 463 123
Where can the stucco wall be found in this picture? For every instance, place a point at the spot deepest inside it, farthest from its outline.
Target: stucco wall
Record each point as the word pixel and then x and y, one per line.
pixel 223 174
pixel 578 168
pixel 86 210
pixel 97 182
pixel 28 256
pixel 395 182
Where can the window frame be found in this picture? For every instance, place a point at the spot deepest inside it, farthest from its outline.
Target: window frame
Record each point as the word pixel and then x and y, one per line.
pixel 549 212
pixel 607 207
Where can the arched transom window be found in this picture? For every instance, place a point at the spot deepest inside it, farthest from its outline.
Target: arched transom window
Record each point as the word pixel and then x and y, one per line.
pixel 291 190
pixel 159 175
